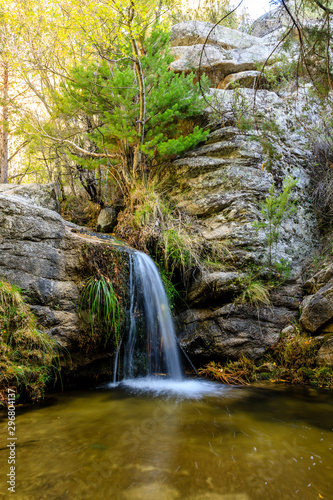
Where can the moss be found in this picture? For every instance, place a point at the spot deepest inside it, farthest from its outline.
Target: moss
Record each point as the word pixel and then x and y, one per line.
pixel 29 358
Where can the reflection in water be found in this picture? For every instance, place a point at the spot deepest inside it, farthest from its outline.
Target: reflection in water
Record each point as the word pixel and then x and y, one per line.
pixel 232 444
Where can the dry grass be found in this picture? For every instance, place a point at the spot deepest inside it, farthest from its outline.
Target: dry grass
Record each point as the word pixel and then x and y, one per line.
pixel 151 224
pixel 234 373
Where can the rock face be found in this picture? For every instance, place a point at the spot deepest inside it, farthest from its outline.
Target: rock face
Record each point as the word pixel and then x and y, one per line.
pixel 39 195
pixel 233 330
pixel 222 182
pixel 217 52
pixel 42 255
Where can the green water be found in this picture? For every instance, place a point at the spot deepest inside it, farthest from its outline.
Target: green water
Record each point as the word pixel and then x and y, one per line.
pixel 239 444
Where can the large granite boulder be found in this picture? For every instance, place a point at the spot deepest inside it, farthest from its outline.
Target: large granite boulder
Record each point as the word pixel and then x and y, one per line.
pixel 217 52
pixel 45 256
pixel 107 220
pixel 271 22
pixel 198 32
pixel 317 309
pixel 39 195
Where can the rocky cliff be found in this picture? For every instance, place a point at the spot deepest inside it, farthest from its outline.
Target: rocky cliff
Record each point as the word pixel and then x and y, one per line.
pixel 223 183
pixel 48 258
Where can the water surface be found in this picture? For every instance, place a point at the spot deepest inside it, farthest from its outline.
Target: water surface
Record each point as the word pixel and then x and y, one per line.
pixel 144 440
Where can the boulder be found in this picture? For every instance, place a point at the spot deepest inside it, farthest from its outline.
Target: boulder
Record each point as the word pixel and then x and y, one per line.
pixel 216 51
pixel 45 256
pixel 107 220
pixel 319 279
pixel 271 22
pixel 39 195
pixel 211 287
pixel 325 353
pixel 317 309
pixel 217 62
pixel 198 32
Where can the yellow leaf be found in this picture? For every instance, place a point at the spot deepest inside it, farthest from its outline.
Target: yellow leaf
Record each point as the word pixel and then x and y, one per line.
pixel 320 496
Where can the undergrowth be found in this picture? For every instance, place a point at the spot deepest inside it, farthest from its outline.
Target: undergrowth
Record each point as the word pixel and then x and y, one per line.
pixel 150 224
pixel 29 358
pixel 100 300
pixel 293 360
pixel 80 210
pixel 240 372
pixel 103 295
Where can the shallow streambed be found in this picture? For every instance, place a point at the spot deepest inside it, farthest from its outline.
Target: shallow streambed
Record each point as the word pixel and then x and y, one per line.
pixel 199 442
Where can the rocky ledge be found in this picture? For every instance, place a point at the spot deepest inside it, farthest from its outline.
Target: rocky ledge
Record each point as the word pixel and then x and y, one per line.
pixel 45 256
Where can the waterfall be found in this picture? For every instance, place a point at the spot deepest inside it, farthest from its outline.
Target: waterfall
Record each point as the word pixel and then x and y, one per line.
pixel 150 348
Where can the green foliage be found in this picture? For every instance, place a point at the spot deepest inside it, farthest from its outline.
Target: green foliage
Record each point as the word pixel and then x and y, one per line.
pixel 275 210
pixel 106 103
pixel 29 358
pixel 101 301
pixel 171 290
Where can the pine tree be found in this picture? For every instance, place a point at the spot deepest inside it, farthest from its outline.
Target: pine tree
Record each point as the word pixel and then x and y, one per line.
pixel 101 102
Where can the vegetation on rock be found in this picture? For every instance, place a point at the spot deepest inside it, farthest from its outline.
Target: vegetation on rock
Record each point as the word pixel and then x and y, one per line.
pixel 29 358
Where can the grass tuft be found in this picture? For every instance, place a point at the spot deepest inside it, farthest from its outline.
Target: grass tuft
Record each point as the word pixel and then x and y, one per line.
pixel 100 300
pixel 29 358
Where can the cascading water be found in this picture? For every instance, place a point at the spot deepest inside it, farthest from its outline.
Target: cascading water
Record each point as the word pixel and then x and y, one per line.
pixel 151 346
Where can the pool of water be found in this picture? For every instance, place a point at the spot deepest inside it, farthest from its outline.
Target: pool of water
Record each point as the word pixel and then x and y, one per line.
pixel 156 440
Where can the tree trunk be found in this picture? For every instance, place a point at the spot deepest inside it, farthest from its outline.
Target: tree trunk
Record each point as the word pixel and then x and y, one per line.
pixel 4 127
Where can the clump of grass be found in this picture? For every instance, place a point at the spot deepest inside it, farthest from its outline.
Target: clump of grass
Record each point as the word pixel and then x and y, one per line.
pixel 240 372
pixel 100 300
pixel 255 292
pixel 29 358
